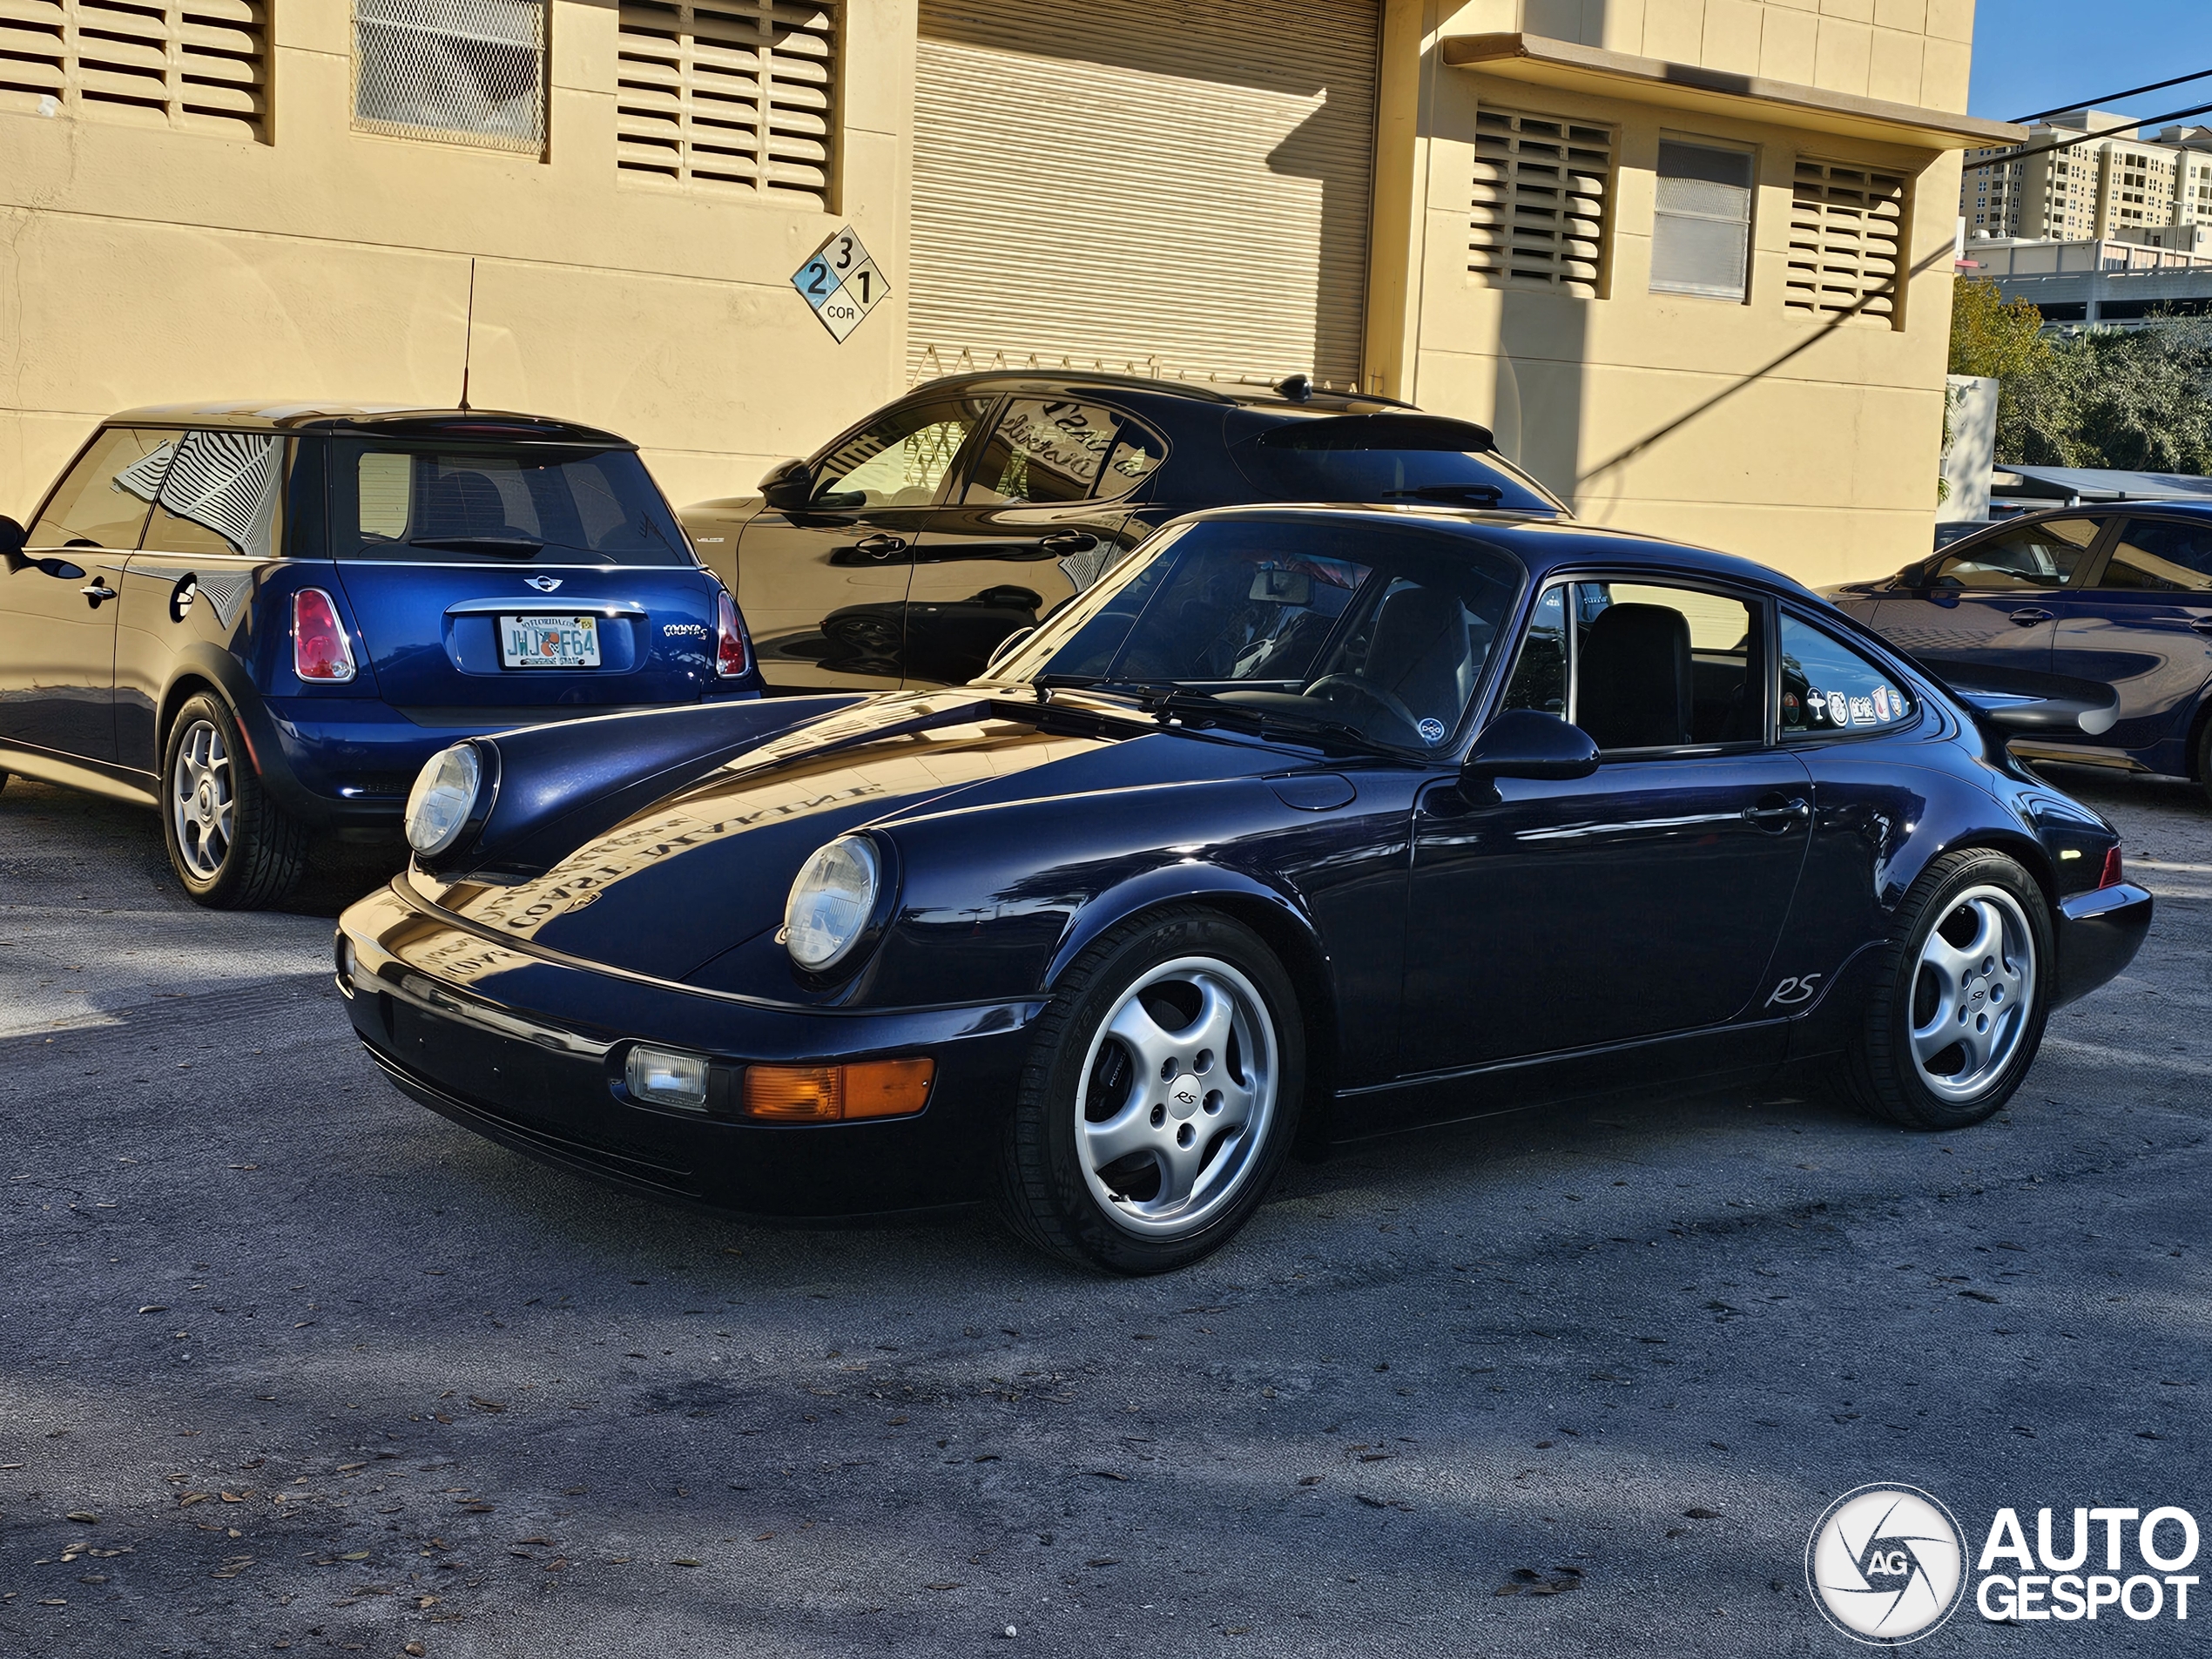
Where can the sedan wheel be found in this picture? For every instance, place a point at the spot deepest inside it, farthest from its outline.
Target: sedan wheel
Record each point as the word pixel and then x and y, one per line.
pixel 229 844
pixel 1161 1098
pixel 1959 996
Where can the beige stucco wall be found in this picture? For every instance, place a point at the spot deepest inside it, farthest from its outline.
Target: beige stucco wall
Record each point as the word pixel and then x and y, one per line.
pixel 1809 445
pixel 140 265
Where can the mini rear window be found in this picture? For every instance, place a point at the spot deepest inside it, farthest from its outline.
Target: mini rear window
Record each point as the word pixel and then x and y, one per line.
pixel 433 502
pixel 1421 459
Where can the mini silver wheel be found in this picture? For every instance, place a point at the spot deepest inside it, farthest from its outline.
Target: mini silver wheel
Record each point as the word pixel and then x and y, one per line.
pixel 1179 1091
pixel 1972 993
pixel 203 802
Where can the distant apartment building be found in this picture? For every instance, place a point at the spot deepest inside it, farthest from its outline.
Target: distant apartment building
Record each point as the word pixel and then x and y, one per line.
pixel 2106 188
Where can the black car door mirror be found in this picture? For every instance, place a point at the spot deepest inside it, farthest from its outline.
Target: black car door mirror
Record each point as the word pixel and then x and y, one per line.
pixel 1529 743
pixel 789 487
pixel 1913 576
pixel 12 537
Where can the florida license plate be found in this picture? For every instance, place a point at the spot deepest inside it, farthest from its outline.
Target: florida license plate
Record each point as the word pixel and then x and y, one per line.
pixel 548 641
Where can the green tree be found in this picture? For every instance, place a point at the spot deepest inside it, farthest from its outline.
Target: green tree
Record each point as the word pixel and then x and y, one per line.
pixel 2003 342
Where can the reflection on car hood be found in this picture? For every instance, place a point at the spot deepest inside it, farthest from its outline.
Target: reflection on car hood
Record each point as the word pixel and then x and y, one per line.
pixel 710 866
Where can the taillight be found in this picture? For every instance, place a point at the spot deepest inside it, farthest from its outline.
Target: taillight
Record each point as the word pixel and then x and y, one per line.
pixel 319 648
pixel 2111 878
pixel 732 654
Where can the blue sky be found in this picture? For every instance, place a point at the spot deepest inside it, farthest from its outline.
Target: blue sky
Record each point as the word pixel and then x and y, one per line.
pixel 2035 54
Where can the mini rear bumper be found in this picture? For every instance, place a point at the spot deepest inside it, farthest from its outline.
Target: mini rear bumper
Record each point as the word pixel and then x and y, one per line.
pixel 2098 935
pixel 529 1050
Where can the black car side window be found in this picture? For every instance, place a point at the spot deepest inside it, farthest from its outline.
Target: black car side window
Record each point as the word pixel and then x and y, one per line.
pixel 1656 666
pixel 2160 555
pixel 103 501
pixel 900 460
pixel 1057 449
pixel 218 495
pixel 1827 687
pixel 2034 555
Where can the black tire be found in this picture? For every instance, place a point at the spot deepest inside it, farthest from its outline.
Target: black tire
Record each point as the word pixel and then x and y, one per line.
pixel 1884 1075
pixel 251 859
pixel 1047 1190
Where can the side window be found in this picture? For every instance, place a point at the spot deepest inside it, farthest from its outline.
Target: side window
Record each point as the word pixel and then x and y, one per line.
pixel 104 499
pixel 2035 555
pixel 1828 687
pixel 2160 555
pixel 899 460
pixel 1657 667
pixel 1540 676
pixel 1057 450
pixel 218 495
pixel 1701 232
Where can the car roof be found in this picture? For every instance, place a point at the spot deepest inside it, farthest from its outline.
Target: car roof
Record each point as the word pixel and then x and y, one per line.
pixel 1296 395
pixel 1540 541
pixel 273 415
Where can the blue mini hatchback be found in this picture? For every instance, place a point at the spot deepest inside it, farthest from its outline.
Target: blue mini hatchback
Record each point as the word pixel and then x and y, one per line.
pixel 263 620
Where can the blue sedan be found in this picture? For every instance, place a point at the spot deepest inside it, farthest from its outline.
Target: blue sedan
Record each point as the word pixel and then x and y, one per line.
pixel 1300 822
pixel 2092 627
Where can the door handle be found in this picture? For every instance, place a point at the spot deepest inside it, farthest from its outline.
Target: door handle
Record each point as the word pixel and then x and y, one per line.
pixel 2030 616
pixel 96 592
pixel 2203 624
pixel 1774 814
pixel 879 546
pixel 1064 541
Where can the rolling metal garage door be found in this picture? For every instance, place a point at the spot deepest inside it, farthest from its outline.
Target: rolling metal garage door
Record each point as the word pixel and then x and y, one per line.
pixel 1167 187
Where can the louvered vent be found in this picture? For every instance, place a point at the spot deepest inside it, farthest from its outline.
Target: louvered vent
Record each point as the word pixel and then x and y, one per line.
pixel 740 93
pixel 202 65
pixel 1846 240
pixel 1541 187
pixel 468 71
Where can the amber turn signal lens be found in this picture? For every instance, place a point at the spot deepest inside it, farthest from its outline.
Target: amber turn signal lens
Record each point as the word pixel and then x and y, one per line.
pixel 838 1093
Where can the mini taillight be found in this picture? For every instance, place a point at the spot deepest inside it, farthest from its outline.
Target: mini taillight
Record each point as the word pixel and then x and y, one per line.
pixel 319 648
pixel 2111 878
pixel 732 655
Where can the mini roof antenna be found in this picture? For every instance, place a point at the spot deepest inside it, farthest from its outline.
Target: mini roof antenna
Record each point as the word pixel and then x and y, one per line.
pixel 469 334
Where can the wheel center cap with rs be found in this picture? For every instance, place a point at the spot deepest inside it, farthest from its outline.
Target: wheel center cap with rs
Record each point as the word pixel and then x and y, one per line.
pixel 1184 1096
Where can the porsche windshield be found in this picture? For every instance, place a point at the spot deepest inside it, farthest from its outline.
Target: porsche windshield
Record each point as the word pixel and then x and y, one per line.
pixel 1381 629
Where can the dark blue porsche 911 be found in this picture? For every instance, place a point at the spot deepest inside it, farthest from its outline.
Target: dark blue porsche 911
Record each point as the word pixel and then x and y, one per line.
pixel 1300 822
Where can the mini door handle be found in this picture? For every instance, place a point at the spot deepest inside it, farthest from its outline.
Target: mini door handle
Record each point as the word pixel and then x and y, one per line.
pixel 1771 814
pixel 1068 542
pixel 2030 616
pixel 879 546
pixel 96 592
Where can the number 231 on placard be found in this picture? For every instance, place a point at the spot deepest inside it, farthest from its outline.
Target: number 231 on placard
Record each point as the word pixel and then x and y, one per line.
pixel 841 283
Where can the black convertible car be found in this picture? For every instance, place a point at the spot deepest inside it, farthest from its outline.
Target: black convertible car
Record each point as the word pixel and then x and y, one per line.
pixel 1303 821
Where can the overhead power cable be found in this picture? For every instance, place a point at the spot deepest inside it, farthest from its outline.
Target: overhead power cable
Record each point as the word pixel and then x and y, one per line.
pixel 2010 156
pixel 2109 97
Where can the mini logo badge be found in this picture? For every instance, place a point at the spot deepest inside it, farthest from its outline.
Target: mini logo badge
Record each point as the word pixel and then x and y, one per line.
pixel 543 583
pixel 1886 1565
pixel 1432 731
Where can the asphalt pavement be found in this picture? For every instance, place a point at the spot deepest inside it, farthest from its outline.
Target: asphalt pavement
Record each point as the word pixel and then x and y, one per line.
pixel 289 1362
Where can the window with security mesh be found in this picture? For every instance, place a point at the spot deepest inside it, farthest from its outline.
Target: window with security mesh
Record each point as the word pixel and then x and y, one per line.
pixel 1846 240
pixel 1541 189
pixel 199 65
pixel 468 71
pixel 732 92
pixel 1700 227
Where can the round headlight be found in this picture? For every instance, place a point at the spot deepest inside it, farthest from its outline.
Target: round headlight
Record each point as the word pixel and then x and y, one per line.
pixel 443 798
pixel 831 902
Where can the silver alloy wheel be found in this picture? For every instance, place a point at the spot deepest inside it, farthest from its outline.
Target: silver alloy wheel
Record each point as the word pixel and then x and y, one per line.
pixel 1972 993
pixel 201 803
pixel 1177 1094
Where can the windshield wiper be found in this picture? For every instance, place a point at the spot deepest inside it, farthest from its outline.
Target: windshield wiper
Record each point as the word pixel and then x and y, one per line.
pixel 521 545
pixel 1184 701
pixel 1487 495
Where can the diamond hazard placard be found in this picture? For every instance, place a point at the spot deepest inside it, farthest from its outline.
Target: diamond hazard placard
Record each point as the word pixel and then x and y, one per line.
pixel 842 283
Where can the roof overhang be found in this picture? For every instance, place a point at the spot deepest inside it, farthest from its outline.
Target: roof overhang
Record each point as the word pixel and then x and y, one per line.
pixel 1575 67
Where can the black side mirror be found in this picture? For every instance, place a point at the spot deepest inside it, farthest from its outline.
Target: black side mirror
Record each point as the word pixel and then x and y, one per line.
pixel 12 538
pixel 1528 742
pixel 789 487
pixel 1913 576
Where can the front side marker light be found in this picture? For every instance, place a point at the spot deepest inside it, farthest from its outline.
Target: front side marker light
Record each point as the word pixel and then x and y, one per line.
pixel 666 1077
pixel 838 1093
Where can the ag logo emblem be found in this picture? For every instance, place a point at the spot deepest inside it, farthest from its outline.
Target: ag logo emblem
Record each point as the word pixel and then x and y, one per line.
pixel 1886 1565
